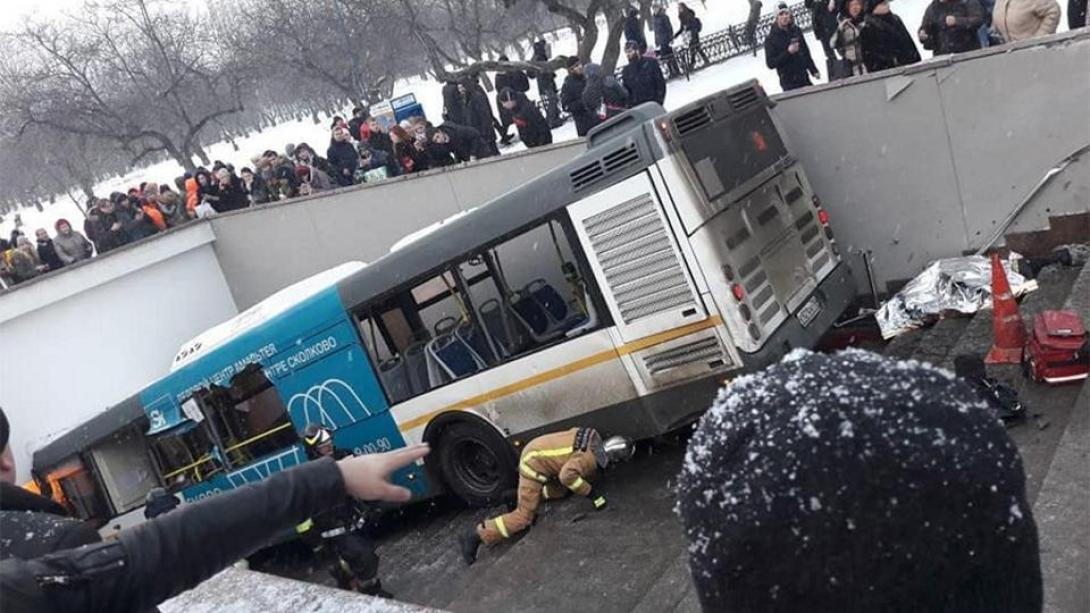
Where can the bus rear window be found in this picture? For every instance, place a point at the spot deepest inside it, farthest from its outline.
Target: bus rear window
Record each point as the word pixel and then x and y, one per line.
pixel 734 152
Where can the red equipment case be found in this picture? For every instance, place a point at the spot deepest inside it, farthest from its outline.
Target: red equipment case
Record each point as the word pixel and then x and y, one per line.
pixel 1057 351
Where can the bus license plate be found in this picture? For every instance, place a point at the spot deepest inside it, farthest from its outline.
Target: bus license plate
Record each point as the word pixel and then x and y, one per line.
pixel 809 311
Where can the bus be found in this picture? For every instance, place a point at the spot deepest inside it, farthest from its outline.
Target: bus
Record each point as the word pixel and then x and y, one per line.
pixel 618 291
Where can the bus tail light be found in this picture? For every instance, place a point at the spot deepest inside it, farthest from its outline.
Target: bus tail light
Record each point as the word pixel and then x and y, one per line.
pixel 823 217
pixel 738 291
pixel 664 128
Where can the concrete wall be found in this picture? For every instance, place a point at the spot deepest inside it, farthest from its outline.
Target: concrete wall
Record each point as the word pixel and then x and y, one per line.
pixel 79 341
pixel 262 250
pixel 925 164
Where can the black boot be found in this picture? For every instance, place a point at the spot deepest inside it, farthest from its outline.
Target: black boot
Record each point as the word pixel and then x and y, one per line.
pixel 374 588
pixel 470 541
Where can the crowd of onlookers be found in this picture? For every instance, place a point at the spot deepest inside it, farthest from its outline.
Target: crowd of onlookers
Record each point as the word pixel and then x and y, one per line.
pixel 862 36
pixel 857 37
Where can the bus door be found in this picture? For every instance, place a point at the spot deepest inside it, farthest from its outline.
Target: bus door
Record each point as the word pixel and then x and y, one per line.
pixel 647 285
pixel 327 378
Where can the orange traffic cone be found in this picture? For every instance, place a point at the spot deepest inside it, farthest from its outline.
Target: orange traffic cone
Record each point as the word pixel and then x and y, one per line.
pixel 1007 329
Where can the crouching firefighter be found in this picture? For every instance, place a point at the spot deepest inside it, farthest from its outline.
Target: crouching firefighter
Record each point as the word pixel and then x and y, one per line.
pixel 551 467
pixel 336 533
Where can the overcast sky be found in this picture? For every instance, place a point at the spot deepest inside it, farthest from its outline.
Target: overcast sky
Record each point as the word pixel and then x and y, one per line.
pixel 13 12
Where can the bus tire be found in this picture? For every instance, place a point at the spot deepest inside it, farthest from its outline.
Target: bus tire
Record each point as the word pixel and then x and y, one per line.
pixel 476 463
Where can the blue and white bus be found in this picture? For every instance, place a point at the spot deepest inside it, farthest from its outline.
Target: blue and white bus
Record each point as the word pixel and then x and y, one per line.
pixel 618 291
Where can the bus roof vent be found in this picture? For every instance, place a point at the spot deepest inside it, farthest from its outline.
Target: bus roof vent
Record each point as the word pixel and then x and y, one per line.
pixel 692 120
pixel 743 99
pixel 619 158
pixel 585 176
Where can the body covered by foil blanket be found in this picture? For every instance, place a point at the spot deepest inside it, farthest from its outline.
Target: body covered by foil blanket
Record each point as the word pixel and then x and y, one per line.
pixel 962 285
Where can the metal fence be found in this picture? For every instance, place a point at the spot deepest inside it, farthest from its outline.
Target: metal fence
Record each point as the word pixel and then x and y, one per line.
pixel 725 44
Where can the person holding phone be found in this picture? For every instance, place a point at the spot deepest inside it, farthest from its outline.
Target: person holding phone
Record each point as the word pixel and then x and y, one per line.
pixel 787 53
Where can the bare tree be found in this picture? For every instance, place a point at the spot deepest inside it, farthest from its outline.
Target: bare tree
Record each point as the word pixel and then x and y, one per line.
pixel 135 72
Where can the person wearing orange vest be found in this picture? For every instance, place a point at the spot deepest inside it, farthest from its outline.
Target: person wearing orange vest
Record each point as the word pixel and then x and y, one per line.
pixel 551 467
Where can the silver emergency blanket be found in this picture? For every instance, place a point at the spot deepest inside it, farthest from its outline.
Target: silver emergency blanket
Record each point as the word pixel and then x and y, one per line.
pixel 962 285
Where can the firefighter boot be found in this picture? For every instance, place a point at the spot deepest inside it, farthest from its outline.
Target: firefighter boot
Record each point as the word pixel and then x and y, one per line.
pixel 470 542
pixel 373 588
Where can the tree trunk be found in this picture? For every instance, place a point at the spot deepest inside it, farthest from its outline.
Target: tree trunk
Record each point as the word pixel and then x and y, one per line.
pixel 589 40
pixel 613 43
pixel 201 155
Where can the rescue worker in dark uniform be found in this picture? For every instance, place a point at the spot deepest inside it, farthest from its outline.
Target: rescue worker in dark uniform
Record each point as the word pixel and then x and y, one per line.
pixel 551 467
pixel 336 532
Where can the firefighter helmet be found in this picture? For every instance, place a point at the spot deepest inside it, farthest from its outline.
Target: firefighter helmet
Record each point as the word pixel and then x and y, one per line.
pixel 618 449
pixel 316 435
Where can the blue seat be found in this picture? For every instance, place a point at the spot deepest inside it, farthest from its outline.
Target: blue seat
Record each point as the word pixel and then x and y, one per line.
pixel 554 304
pixel 531 314
pixel 395 376
pixel 417 366
pixel 476 339
pixel 456 358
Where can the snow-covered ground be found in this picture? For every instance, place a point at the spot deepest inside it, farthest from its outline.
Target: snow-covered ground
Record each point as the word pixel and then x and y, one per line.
pixel 717 16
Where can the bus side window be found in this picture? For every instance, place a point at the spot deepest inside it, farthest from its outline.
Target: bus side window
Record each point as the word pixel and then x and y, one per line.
pixel 184 456
pixel 258 422
pixel 529 291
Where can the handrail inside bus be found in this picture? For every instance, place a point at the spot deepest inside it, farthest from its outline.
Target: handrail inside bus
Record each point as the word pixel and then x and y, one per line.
pixel 259 436
pixel 208 456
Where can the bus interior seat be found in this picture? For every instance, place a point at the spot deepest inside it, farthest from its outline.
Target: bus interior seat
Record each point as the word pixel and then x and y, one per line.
pixel 445 325
pixel 476 340
pixel 502 332
pixel 534 317
pixel 417 366
pixel 455 357
pixel 395 375
pixel 553 304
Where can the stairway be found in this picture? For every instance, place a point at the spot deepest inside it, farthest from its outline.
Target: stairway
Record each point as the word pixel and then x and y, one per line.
pixel 1055 439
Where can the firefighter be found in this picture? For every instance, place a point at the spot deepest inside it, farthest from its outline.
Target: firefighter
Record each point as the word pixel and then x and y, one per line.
pixel 336 532
pixel 551 467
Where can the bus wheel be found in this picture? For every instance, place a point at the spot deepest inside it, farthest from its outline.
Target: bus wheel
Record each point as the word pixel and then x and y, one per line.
pixel 477 464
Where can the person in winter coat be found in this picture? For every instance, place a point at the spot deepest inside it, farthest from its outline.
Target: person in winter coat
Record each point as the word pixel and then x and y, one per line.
pixel 410 151
pixel 886 41
pixel 949 26
pixel 343 157
pixel 546 85
pixel 256 187
pixel 170 554
pixel 24 261
pixel 752 20
pixel 107 226
pixel 853 482
pixel 824 16
pixel 149 204
pixel 159 501
pixel 478 114
pixel 571 98
pixel 192 196
pixel 71 246
pixel 603 95
pixel 786 51
pixel 42 525
pixel 208 187
pixel 1076 14
pixel 453 103
pixel 642 77
pixel 551 467
pixel 138 225
pixel 1024 19
pixel 305 155
pixel 173 210
pixel 47 251
pixel 376 137
pixel 355 125
pixel 848 38
pixel 451 143
pixel 691 25
pixel 664 35
pixel 633 29
pixel 533 129
pixel 232 193
pixel 515 80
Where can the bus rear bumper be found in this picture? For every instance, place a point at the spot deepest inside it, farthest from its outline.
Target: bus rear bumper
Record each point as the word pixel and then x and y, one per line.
pixel 836 293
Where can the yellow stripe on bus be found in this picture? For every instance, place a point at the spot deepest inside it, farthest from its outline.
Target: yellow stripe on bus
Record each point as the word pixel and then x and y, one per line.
pixel 567 369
